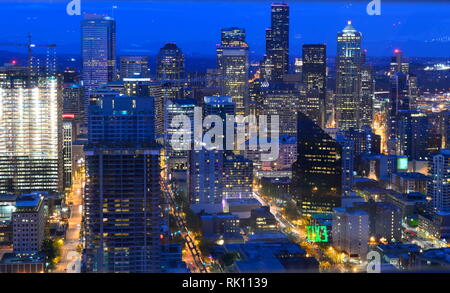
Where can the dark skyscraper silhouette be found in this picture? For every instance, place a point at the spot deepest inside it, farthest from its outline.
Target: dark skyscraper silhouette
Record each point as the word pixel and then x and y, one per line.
pixel 317 173
pixel 123 195
pixel 315 77
pixel 276 62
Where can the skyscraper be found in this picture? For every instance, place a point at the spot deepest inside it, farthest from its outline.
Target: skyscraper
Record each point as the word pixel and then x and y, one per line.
pixel 233 37
pixel 438 186
pixel 351 231
pixel 399 98
pixel 67 151
pixel 30 132
pixel 348 159
pixel 218 105
pixel 98 53
pixel 232 62
pixel 398 63
pixel 412 134
pixel 72 99
pixel 206 176
pixel 367 92
pixel 237 176
pixel 317 173
pixel 170 63
pixel 277 43
pixel 123 195
pixel 122 119
pixel 315 76
pixel 282 99
pixel 348 66
pixel 178 159
pixel 28 224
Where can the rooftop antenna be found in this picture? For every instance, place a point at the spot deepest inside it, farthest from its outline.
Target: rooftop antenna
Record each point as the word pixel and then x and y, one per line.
pixel 112 10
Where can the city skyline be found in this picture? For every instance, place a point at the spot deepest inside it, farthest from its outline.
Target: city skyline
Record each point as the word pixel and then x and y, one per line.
pixel 166 22
pixel 277 161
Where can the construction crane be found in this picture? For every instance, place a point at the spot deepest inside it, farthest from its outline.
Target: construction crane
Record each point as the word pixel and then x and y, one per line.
pixel 30 45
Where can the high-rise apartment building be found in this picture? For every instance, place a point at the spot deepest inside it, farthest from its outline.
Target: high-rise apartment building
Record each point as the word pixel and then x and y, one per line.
pixel 121 119
pixel 385 219
pixel 439 185
pixel 413 134
pixel 237 176
pixel 350 230
pixel 122 209
pixel 348 160
pixel 123 195
pixel 205 177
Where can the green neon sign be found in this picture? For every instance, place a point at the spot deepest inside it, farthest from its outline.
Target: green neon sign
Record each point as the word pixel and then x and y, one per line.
pixel 402 163
pixel 317 233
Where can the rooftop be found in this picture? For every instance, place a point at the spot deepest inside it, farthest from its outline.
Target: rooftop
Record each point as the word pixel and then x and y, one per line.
pixel 30 200
pixel 11 258
pixel 438 254
pixel 412 175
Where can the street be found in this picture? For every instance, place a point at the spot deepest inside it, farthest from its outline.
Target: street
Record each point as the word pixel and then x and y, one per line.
pixel 70 258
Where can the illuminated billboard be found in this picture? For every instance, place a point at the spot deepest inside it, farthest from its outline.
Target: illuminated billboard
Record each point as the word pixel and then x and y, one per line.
pixel 317 233
pixel 402 164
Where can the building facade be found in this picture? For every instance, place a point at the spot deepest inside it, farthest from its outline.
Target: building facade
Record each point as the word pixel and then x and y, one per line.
pixel 314 75
pixel 348 66
pixel 170 63
pixel 438 186
pixel 98 53
pixel 30 132
pixel 317 173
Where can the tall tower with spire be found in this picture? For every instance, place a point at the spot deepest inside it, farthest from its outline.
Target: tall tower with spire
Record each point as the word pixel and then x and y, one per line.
pixel 348 77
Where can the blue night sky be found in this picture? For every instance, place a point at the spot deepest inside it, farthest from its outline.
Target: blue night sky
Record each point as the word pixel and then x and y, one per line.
pixel 420 29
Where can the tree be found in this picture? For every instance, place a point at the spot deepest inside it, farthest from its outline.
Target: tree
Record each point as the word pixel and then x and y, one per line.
pixel 206 246
pixel 229 258
pixel 291 211
pixel 52 251
pixel 193 220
